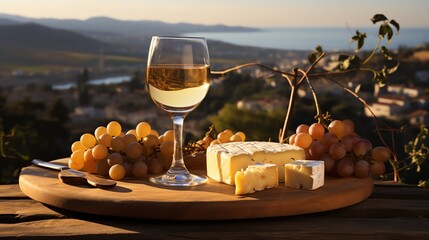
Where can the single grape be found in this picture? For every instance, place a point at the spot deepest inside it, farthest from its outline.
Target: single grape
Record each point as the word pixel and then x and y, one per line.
pixel 166 159
pixel 88 140
pixel 316 131
pixel 127 167
pixel 362 169
pixel 154 132
pixel 117 172
pixel 150 142
pixel 103 167
pixel 77 146
pixel 100 131
pixel 223 137
pixel 242 135
pixel 75 166
pixel 133 150
pixel 143 129
pixel 381 154
pixel 155 166
pixel 328 162
pixel 362 147
pixel 99 152
pixel 114 158
pixel 348 141
pixel 329 139
pixel 167 148
pixel 114 128
pixel 90 167
pixel 345 167
pixel 160 139
pixel 349 126
pixel 337 127
pixel 228 132
pixel 105 140
pixel 292 139
pixel 337 151
pixel 88 157
pixel 117 144
pixel 169 136
pixel 132 131
pixel 377 168
pixel 129 138
pixel 77 157
pixel 235 138
pixel 317 149
pixel 303 140
pixel 303 128
pixel 139 170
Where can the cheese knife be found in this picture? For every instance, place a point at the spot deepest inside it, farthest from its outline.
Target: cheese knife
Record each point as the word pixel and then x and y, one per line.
pixel 71 176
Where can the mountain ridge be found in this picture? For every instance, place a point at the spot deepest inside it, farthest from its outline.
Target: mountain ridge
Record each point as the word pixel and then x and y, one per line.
pixel 134 27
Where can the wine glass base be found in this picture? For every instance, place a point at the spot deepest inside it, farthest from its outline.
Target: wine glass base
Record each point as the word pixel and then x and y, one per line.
pixel 179 180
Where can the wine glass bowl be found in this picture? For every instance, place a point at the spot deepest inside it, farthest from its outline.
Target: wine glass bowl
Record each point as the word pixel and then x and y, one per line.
pixel 177 79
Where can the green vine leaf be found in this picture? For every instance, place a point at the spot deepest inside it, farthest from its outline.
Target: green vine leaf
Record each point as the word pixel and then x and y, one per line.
pixel 378 17
pixel 417 150
pixel 348 62
pixel 393 69
pixel 395 24
pixel 359 38
pixel 386 53
pixel 313 56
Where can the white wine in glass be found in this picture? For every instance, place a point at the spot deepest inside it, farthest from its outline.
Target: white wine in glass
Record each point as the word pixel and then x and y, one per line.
pixel 177 79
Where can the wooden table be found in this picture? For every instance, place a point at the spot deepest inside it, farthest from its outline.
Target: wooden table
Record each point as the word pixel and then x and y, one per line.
pixel 393 211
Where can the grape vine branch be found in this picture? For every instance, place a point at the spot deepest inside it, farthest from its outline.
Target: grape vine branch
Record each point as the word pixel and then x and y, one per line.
pixel 347 63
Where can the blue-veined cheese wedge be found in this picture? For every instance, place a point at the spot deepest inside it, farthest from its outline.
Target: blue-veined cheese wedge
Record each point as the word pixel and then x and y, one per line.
pixel 305 174
pixel 224 160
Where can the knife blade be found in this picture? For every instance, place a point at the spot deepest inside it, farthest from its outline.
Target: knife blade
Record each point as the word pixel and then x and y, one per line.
pixel 71 176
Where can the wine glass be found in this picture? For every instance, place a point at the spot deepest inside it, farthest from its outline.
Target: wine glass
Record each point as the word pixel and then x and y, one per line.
pixel 177 79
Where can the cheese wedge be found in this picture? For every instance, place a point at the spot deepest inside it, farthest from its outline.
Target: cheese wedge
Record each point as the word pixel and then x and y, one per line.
pixel 256 177
pixel 305 174
pixel 224 160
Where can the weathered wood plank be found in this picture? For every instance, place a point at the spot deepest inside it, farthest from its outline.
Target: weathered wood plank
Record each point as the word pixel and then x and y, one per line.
pixel 11 191
pixel 384 208
pixel 390 213
pixel 301 227
pixel 23 210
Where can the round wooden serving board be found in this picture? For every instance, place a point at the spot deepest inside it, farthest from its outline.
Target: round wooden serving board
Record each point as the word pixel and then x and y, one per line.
pixel 212 201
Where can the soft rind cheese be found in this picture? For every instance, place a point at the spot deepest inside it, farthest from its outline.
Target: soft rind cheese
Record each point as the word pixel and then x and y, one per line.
pixel 305 174
pixel 224 160
pixel 256 177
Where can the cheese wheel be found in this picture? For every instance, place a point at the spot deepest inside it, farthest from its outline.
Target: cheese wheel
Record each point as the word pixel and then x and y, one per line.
pixel 224 160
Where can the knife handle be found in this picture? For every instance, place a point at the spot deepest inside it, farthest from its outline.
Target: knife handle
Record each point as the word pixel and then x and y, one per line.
pixel 49 165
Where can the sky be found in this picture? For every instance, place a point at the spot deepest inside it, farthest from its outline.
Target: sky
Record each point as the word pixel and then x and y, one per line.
pixel 251 13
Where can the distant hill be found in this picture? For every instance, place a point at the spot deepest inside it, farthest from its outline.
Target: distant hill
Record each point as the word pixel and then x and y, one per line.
pixel 142 27
pixel 7 22
pixel 37 37
pixel 39 48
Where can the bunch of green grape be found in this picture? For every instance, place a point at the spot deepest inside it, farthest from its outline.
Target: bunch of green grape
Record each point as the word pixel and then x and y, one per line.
pixel 111 152
pixel 343 151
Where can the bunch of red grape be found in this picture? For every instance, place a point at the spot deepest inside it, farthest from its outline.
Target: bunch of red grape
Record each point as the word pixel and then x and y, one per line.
pixel 343 151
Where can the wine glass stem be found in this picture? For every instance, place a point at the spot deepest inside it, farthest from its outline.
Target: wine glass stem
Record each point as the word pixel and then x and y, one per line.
pixel 178 164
